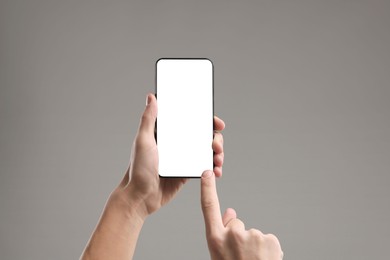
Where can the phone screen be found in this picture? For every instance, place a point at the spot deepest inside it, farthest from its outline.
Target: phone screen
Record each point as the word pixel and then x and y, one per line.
pixel 184 135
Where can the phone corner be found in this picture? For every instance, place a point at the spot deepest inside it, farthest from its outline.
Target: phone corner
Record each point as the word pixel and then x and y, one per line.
pixel 158 60
pixel 209 61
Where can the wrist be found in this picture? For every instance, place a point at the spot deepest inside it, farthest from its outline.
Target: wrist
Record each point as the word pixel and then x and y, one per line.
pixel 116 234
pixel 129 205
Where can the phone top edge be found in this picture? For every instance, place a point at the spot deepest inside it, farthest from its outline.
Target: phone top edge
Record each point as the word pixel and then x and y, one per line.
pixel 164 58
pixel 184 59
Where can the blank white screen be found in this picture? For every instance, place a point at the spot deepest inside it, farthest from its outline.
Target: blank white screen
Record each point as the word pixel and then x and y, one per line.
pixel 185 117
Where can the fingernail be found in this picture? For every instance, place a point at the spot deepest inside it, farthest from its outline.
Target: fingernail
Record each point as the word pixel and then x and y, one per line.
pixel 148 99
pixel 207 174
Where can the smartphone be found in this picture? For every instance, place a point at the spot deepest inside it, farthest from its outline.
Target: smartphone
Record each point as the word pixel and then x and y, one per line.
pixel 184 125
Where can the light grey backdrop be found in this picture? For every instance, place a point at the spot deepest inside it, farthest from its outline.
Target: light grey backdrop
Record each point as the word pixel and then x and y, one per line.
pixel 302 85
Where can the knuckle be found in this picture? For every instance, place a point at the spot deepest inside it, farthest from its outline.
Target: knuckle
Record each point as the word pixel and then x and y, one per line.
pixel 141 141
pixel 257 234
pixel 271 238
pixel 220 137
pixel 207 203
pixel 218 159
pixel 145 118
pixel 221 157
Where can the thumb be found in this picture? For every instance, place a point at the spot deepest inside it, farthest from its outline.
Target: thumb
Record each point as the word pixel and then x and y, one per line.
pixel 149 116
pixel 229 215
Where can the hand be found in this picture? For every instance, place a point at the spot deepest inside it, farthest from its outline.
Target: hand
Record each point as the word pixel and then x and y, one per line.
pixel 140 193
pixel 226 236
pixel 142 180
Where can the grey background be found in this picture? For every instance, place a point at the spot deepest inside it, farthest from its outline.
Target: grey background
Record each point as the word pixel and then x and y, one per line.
pixel 302 85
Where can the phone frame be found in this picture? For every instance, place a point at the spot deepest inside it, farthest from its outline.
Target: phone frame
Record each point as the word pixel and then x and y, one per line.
pixel 155 126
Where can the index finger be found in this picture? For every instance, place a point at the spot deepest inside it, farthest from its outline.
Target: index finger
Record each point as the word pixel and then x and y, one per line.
pixel 210 203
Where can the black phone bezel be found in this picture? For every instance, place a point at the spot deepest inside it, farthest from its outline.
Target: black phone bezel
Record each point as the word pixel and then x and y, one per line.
pixel 155 126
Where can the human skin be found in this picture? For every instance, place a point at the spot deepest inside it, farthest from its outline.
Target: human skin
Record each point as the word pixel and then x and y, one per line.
pixel 140 193
pixel 226 236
